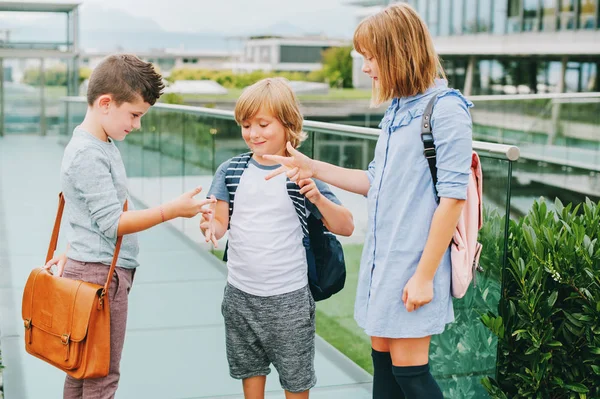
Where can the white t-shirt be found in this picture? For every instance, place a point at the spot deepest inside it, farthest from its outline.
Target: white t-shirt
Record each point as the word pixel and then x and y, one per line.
pixel 264 225
pixel 265 255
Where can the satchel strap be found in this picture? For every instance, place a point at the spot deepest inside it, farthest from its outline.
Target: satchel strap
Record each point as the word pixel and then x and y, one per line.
pixel 54 242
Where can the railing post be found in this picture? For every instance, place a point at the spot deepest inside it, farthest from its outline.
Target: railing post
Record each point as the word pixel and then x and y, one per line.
pixel 42 98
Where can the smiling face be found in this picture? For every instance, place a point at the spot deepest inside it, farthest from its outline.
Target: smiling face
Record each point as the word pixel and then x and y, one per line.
pixel 269 115
pixel 119 120
pixel 264 134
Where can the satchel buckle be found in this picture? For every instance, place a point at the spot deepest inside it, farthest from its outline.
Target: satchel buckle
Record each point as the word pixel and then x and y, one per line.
pixel 27 323
pixel 65 339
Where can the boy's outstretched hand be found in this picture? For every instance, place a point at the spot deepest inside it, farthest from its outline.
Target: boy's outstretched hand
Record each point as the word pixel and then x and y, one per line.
pixel 296 167
pixel 308 187
pixel 187 206
pixel 207 224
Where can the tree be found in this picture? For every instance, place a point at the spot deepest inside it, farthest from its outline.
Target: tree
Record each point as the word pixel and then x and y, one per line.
pixel 337 66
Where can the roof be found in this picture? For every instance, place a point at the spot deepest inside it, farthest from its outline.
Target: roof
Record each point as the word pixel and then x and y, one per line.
pixel 21 6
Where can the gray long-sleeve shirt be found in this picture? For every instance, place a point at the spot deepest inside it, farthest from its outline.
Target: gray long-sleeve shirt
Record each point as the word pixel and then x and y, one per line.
pixel 94 184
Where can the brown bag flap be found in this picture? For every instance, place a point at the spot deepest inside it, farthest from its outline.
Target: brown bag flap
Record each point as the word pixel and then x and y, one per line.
pixel 59 305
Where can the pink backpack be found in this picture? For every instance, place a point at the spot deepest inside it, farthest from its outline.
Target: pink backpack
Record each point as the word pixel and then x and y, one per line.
pixel 465 250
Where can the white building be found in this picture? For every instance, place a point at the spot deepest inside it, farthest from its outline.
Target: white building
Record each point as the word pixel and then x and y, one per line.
pixel 509 46
pixel 302 54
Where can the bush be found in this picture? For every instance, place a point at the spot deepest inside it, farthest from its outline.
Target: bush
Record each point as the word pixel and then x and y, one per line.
pixel 56 76
pixel 172 98
pixel 233 80
pixel 337 66
pixel 549 323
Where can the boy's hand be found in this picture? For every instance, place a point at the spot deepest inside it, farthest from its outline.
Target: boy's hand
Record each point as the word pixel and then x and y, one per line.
pixel 59 261
pixel 297 166
pixel 308 187
pixel 187 206
pixel 207 224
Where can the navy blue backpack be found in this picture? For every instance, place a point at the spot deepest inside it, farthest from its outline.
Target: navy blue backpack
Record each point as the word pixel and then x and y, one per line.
pixel 324 253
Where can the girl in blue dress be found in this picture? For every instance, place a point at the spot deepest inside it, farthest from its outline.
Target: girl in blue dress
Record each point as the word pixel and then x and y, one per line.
pixel 403 295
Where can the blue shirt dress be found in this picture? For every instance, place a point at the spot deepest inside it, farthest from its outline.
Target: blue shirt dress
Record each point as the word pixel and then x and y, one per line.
pixel 401 204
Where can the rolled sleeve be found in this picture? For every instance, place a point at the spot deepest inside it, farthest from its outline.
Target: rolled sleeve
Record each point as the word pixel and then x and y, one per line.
pixel 453 137
pixel 94 184
pixel 218 187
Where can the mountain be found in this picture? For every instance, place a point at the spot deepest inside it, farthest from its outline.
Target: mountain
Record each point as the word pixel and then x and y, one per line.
pixel 104 29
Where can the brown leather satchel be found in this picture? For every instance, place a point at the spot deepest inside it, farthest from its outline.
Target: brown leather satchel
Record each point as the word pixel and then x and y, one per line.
pixel 67 322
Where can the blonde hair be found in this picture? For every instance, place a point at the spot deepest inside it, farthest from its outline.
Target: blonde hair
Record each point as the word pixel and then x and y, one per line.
pixel 275 96
pixel 400 42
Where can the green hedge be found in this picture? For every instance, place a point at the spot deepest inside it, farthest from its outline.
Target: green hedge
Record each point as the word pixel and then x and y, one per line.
pixel 548 328
pixel 232 80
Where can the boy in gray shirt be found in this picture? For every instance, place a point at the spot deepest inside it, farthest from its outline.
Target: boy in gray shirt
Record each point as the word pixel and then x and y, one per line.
pixel 94 183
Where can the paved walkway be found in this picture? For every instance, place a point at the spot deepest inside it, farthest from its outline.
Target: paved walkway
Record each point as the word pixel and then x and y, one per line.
pixel 175 347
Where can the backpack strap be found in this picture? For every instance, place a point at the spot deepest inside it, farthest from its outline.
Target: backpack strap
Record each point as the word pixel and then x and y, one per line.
pixel 233 174
pixel 427 139
pixel 299 202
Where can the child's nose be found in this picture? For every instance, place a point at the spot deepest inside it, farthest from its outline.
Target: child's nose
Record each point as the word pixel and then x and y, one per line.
pixel 365 68
pixel 137 123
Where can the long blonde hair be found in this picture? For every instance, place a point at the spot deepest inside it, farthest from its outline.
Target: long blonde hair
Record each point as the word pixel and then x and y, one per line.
pixel 277 97
pixel 400 42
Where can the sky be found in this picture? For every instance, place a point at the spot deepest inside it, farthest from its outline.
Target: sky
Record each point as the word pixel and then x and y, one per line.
pixel 236 16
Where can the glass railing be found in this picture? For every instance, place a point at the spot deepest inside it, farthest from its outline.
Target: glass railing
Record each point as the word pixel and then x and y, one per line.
pixel 180 147
pixel 559 139
pixel 32 110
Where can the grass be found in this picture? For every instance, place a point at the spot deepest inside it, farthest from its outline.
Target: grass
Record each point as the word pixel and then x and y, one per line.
pixel 333 95
pixel 335 316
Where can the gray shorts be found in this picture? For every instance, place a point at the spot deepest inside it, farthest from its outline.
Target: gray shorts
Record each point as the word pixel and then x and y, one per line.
pixel 277 329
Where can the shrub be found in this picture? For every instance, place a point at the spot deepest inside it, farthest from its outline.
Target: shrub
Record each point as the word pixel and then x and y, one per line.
pixel 549 323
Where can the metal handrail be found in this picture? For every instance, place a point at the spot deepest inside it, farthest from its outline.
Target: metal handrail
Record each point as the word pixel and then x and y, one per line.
pixel 503 151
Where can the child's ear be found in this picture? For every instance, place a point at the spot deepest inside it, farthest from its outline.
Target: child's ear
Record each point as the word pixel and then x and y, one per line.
pixel 104 101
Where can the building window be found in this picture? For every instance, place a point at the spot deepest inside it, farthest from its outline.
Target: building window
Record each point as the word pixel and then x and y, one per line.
pixel 422 9
pixel 514 16
pixel 301 54
pixel 500 14
pixel 445 16
pixel 589 76
pixel 482 77
pixel 470 23
pixel 456 70
pixel 588 10
pixel 566 14
pixel 531 21
pixel 549 15
pixel 457 16
pixel 484 19
pixel 433 14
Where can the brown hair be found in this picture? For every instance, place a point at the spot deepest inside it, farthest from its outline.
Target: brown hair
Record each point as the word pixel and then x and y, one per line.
pixel 125 77
pixel 278 98
pixel 400 42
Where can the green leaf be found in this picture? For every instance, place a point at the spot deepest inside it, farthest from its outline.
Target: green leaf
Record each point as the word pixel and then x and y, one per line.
pixel 596 369
pixel 577 387
pixel 552 299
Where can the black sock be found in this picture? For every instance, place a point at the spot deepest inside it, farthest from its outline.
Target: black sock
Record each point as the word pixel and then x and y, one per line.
pixel 384 383
pixel 417 382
